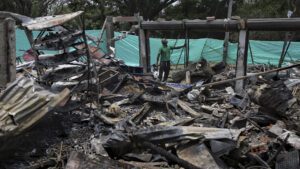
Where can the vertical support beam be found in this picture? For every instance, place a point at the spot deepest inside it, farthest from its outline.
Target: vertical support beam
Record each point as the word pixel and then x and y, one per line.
pixel 11 48
pixel 143 50
pixel 142 47
pixel 3 55
pixel 29 36
pixel 241 62
pixel 226 39
pixel 7 51
pixel 148 51
pixel 109 33
pixel 187 48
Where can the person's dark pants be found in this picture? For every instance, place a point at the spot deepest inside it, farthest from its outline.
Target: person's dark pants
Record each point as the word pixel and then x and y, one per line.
pixel 164 68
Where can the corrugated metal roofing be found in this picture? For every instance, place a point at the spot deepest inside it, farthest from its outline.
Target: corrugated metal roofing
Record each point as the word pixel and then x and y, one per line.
pixel 24 103
pixel 50 21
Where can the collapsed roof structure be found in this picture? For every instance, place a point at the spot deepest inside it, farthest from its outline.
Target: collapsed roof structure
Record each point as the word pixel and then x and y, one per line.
pixel 133 121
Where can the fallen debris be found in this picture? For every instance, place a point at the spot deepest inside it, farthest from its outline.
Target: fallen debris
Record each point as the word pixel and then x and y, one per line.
pixel 115 119
pixel 24 103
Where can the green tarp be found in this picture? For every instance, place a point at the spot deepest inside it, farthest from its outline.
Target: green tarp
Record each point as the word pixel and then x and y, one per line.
pixel 264 52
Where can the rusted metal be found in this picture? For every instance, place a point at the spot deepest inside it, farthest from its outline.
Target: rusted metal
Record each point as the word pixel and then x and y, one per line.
pixel 24 103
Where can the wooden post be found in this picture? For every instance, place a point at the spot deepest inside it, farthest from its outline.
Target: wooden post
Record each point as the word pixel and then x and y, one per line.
pixel 226 40
pixel 7 51
pixel 188 79
pixel 241 62
pixel 11 48
pixel 30 38
pixel 109 33
pixel 187 49
pixel 148 51
pixel 143 48
pixel 3 55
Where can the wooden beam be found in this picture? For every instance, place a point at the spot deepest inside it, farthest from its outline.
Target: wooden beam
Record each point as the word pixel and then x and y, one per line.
pixel 219 25
pixel 273 24
pixel 241 62
pixel 187 108
pixel 226 39
pixel 125 19
pixel 11 48
pixel 216 25
pixel 109 32
pixel 142 48
pixel 246 77
pixel 7 51
pixel 148 51
pixel 187 49
pixel 3 55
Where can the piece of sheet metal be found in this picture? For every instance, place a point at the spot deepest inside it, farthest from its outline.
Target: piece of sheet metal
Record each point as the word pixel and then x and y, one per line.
pixel 178 133
pixel 23 104
pixel 198 155
pixel 50 21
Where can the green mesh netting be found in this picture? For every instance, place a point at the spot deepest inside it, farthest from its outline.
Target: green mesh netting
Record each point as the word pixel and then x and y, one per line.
pixel 264 52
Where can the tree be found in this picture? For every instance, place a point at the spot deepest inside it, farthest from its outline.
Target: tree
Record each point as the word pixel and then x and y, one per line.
pixel 149 9
pixel 197 9
pixel 18 6
pixel 263 9
pixel 32 8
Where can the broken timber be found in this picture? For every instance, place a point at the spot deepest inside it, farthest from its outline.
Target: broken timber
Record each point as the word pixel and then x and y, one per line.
pixel 245 77
pixel 241 61
pixel 7 51
pixel 187 108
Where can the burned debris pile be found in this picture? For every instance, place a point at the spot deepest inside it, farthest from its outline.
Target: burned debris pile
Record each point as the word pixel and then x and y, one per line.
pixel 116 119
pixel 137 122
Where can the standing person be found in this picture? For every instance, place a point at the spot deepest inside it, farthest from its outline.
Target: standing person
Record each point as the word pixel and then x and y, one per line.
pixel 164 54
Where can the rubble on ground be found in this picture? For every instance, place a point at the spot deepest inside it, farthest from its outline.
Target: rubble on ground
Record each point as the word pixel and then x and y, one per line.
pixel 143 123
pixel 109 118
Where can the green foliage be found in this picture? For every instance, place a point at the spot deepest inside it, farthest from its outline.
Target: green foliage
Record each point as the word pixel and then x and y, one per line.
pixel 196 9
pixel 97 10
pixel 19 6
pixel 263 9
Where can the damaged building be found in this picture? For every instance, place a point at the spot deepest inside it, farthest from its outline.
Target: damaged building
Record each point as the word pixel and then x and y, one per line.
pixel 78 107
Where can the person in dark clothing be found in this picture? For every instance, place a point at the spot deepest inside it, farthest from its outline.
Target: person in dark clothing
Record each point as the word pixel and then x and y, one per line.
pixel 164 55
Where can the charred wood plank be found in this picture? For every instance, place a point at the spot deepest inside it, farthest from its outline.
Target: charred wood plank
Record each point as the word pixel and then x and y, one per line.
pixel 187 108
pixel 169 156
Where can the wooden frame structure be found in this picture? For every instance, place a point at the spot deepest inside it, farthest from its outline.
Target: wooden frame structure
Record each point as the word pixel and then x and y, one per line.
pixel 218 25
pixel 143 36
